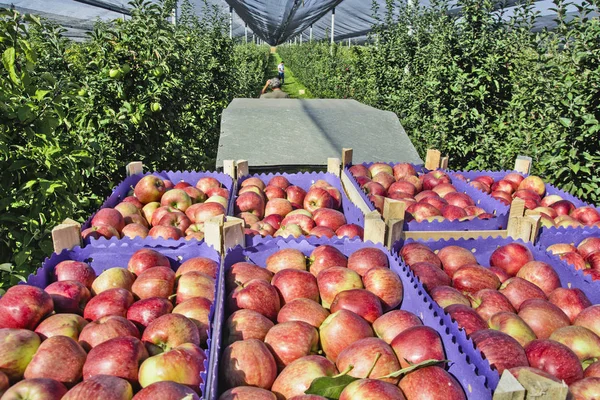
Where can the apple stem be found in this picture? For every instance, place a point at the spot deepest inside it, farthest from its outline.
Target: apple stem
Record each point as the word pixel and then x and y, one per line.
pixel 172 296
pixel 345 372
pixel 377 357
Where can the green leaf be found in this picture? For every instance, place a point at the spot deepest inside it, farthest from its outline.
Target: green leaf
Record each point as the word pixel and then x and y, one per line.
pixel 40 94
pixel 6 267
pixel 330 387
pixel 565 121
pixel 8 60
pixel 404 371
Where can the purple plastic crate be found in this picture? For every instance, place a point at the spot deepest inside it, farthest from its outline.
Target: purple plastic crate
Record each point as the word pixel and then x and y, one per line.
pixel 550 189
pixel 118 254
pixel 304 180
pixel 481 199
pixel 472 378
pixel 482 250
pixel 122 190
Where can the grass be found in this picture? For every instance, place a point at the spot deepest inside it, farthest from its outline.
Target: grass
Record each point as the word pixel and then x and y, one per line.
pixel 291 86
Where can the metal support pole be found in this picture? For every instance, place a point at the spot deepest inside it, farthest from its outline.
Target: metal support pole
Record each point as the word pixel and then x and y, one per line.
pixel 301 37
pixel 349 42
pixel 246 33
pixel 230 22
pixel 332 25
pixel 174 14
pixel 310 38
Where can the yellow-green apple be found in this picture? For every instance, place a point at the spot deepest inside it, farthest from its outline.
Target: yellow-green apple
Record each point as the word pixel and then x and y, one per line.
pixel 447 295
pixel 501 350
pixel 488 302
pixel 242 272
pixel 324 257
pixel 417 344
pixel 198 196
pixel 169 331
pixel 386 285
pixel 120 357
pixel 587 388
pixel 297 377
pixel 289 341
pixel 305 223
pixel 150 188
pixel 423 211
pixel 366 258
pixel 184 364
pixel 195 284
pixel 535 184
pixel 304 310
pixel 110 217
pixel 202 212
pixel 17 348
pixel 589 318
pixel 472 278
pixel 218 199
pixel 36 389
pixel 144 259
pixel 201 264
pixel 340 330
pixel 60 358
pixel 293 284
pixel 295 194
pixel 149 209
pixel 24 306
pixel 543 317
pixel 113 278
pixel 540 274
pixel 518 290
pixel 334 280
pixel 432 383
pixel 135 230
pixel 512 325
pixel 252 203
pixel 575 260
pixel 253 189
pixel 69 325
pixel 359 301
pixel 368 353
pixel 166 390
pixel 106 328
pixel 68 296
pixel 393 323
pixel 571 301
pixel 416 252
pixel 248 392
pixel 286 259
pixel 197 309
pixel 248 363
pixel 110 302
pixel 378 167
pixel 204 184
pixel 101 387
pixel 584 343
pixel 257 295
pixel 317 198
pixel 246 324
pixel 154 282
pixel 133 200
pixel 430 275
pixel 195 231
pixel 466 318
pixel 70 270
pixel 177 199
pixel 554 358
pixel 165 232
pixel 371 389
pixel 127 209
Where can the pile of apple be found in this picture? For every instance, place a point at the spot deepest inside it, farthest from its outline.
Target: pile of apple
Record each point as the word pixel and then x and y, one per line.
pixel 292 322
pixel 104 337
pixel 515 311
pixel 281 209
pixel 584 257
pixel 159 208
pixel 554 210
pixel 429 197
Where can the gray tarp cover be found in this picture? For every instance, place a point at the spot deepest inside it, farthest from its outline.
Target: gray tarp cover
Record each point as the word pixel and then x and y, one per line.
pixel 274 21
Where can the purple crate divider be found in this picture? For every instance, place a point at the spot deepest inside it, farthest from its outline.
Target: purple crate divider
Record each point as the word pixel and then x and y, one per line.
pixel 122 189
pixel 468 374
pixel 118 254
pixel 481 200
pixel 304 180
pixel 482 250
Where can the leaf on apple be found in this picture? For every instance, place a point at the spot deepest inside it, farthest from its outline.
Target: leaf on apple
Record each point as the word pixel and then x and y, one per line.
pixel 404 371
pixel 330 386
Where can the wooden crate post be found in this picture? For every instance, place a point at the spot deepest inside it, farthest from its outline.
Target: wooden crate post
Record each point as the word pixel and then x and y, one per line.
pixel 393 216
pixel 346 156
pixel 242 168
pixel 432 160
pixel 374 228
pixel 515 219
pixel 523 164
pixel 354 194
pixel 542 388
pixel 213 232
pixel 444 162
pixel 66 235
pixel 509 388
pixel 233 233
pixel 333 166
pixel 134 168
pixel 229 168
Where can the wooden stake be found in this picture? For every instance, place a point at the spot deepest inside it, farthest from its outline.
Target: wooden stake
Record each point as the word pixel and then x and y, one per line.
pixel 134 168
pixel 523 164
pixel 346 156
pixel 333 166
pixel 509 388
pixel 66 235
pixel 432 161
pixel 229 168
pixel 444 162
pixel 374 227
pixel 233 233
pixel 242 168
pixel 213 232
pixel 542 388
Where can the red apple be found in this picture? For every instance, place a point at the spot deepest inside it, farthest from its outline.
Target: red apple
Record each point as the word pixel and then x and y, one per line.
pixel 366 258
pixel 206 183
pixel 416 252
pixel 575 260
pixel 154 282
pixel 24 306
pixel 368 389
pixel 248 363
pixel 274 192
pixel 297 377
pixel 384 179
pixel 166 390
pixel 120 357
pixel 274 220
pixel 110 217
pixel 69 325
pixel 473 278
pixel 135 230
pixel 70 270
pixel 361 355
pixel 305 223
pixel 587 388
pixel 321 231
pixel 586 215
pixel 588 246
pixel 593 370
pixel 195 284
pixel 324 257
pixel 110 302
pixel 286 259
pixel 317 198
pixel 540 274
pixel 101 387
pixel 340 330
pixel 291 340
pixel 359 301
pixel 197 310
pixel 543 317
pixel 198 196
pixel 106 328
pixel 96 232
pixel 563 207
pixel 68 296
pixel 571 301
pixel 430 275
pixel 36 389
pixel 466 318
pixel 278 206
pixel 359 170
pixel 256 295
pixel 518 290
pixel 295 194
pixel 589 318
pixel 145 311
pixel 329 218
pixel 293 284
pixel 133 200
pixel 431 383
pixel 423 211
pixel 305 310
pixel 417 344
pixel 386 285
pixel 60 358
pixel 350 231
pixel 243 272
pixel 454 257
pixel 392 323
pixel 165 232
pixel 403 187
pixel 144 259
pixel 176 220
pixel 554 358
pixel 512 325
pixel 169 331
pixel 246 324
pixel 183 364
pixel 501 350
pixel 378 167
pixel 200 264
pixel 502 197
pixel 202 212
pixel 505 185
pixel 488 302
pixel 511 257
pixel 177 199
pixel 334 280
pixel 535 184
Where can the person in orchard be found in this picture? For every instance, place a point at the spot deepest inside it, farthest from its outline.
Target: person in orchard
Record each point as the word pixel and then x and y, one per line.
pixel 276 92
pixel 281 71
